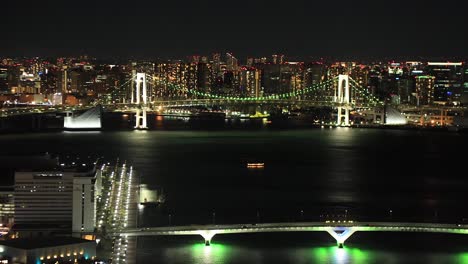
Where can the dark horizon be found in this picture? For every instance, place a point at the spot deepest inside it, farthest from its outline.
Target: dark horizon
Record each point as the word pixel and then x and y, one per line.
pixel 299 29
pixel 243 60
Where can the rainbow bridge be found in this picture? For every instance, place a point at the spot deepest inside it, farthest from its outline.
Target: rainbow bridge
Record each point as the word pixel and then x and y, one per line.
pixel 340 92
pixel 339 230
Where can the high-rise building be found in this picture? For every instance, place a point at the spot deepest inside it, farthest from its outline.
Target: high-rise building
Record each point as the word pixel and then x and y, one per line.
pixel 190 75
pixel 250 81
pixel 14 74
pixel 271 75
pixel 448 81
pixel 376 81
pixel 63 81
pixel 425 90
pixel 281 78
pixel 4 80
pixel 204 76
pixel 60 199
pixel 7 205
pixel 216 64
pixel 231 62
pixel 76 81
pixel 464 97
pixel 314 73
pixel 261 60
pixel 405 87
pixel 250 62
pixel 277 59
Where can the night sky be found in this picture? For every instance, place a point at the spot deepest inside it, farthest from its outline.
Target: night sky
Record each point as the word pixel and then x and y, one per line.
pixel 175 29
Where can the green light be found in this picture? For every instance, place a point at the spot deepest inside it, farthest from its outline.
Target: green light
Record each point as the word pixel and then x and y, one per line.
pixel 320 254
pixel 215 253
pixel 341 255
pixel 462 258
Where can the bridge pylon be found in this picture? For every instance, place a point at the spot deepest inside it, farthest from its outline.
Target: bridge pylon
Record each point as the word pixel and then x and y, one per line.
pixel 207 235
pixel 340 234
pixel 343 98
pixel 139 97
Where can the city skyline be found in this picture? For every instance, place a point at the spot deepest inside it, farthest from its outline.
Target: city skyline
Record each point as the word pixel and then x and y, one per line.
pixel 300 28
pixel 233 132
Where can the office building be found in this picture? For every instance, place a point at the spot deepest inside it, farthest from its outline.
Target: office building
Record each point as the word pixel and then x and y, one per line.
pixel 464 97
pixel 448 81
pixel 405 87
pixel 277 59
pixel 7 205
pixel 250 81
pixel 425 90
pixel 4 80
pixel 56 201
pixel 231 62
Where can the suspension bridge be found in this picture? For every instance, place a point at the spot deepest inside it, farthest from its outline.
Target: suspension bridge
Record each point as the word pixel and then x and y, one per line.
pixel 342 93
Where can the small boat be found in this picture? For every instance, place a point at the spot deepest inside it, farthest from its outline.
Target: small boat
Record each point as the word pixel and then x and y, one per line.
pixel 255 165
pixel 259 115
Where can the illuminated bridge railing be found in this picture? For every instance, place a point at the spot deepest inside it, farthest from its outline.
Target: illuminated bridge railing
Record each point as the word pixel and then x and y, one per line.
pixel 340 231
pixel 156 105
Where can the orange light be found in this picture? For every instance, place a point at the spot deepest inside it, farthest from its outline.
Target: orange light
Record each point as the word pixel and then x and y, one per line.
pixel 255 165
pixel 89 237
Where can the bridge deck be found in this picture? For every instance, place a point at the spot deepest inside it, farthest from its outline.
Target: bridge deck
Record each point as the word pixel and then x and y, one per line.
pixel 291 227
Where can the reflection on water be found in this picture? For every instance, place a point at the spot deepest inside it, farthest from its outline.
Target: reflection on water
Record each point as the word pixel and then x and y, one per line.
pixel 337 255
pixel 222 253
pixel 462 258
pixel 307 173
pixel 215 253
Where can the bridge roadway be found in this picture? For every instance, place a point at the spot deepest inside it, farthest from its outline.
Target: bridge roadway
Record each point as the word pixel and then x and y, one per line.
pixel 197 102
pixel 341 230
pixel 40 109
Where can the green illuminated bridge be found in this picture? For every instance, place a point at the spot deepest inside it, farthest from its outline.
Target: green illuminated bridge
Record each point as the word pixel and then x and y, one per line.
pixel 339 230
pixel 340 92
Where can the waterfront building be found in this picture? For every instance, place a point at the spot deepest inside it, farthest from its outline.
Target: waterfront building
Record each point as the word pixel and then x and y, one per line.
pixel 56 200
pixel 47 250
pixel 7 205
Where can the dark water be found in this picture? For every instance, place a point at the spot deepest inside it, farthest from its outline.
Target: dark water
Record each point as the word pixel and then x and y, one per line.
pixel 360 174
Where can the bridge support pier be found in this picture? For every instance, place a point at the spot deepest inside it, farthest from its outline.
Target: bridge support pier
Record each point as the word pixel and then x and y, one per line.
pixel 140 98
pixel 140 119
pixel 341 115
pixel 342 96
pixel 207 235
pixel 340 234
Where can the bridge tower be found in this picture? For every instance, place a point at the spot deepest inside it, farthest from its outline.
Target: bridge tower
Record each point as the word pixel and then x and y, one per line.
pixel 139 97
pixel 343 98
